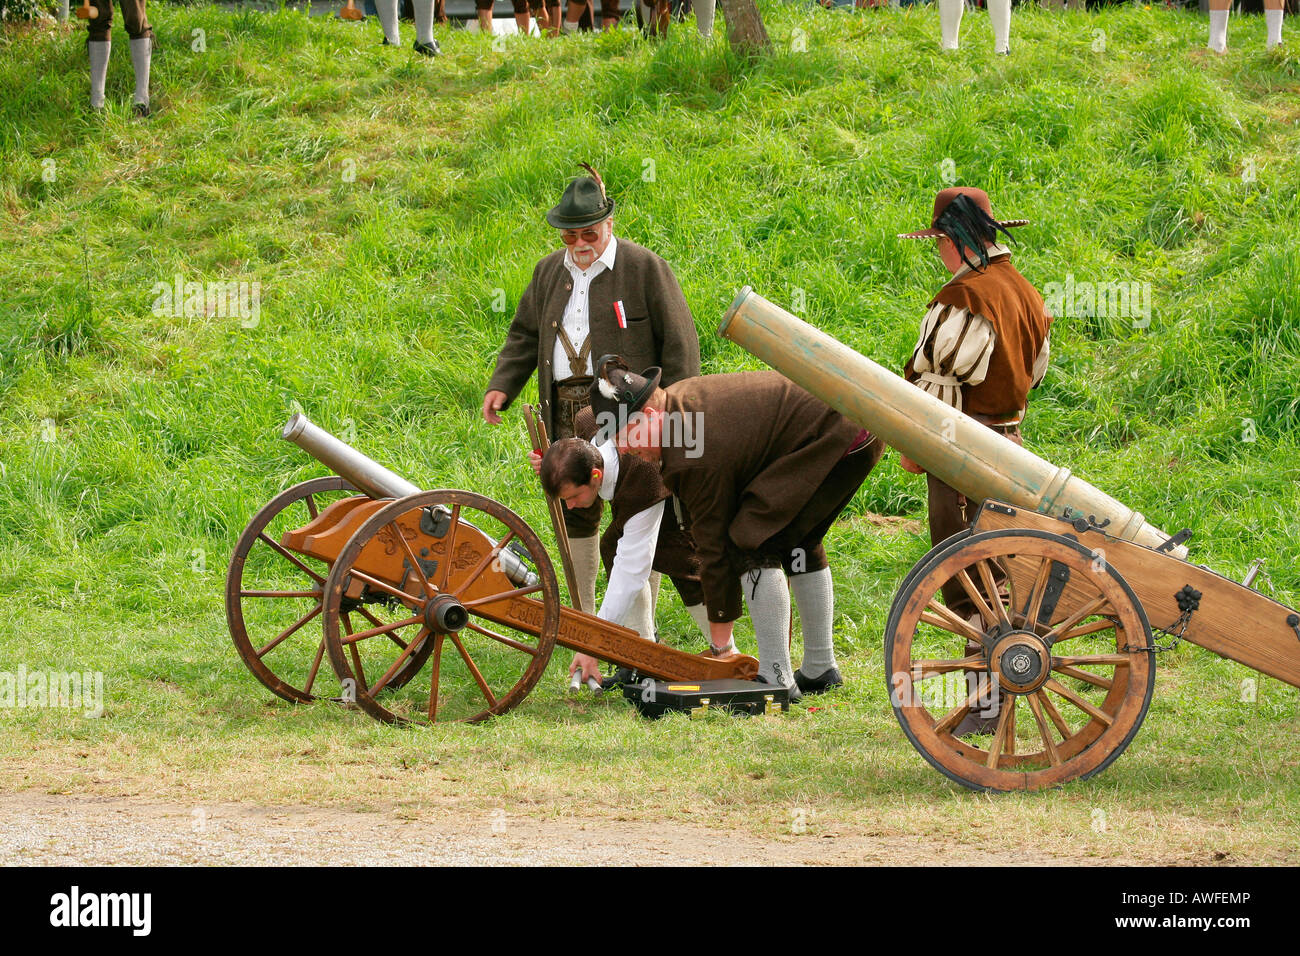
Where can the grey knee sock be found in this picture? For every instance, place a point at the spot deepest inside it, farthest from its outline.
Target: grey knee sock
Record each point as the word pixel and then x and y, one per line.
pixel 950 12
pixel 423 21
pixel 814 596
pixel 768 600
pixel 141 51
pixel 700 615
pixel 387 10
pixel 1000 18
pixel 640 615
pixel 99 51
pixel 586 562
pixel 704 16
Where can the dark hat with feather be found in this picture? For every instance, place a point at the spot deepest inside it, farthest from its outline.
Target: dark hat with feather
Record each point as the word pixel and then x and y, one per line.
pixel 617 392
pixel 583 204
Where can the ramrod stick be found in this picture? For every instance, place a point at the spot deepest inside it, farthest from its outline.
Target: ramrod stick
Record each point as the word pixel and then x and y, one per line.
pixel 954 447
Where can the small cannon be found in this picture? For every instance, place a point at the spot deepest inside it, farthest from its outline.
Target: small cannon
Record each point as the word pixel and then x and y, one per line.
pixel 396 574
pixel 1064 580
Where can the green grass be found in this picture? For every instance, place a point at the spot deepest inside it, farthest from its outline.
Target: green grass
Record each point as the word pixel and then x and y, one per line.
pixel 135 447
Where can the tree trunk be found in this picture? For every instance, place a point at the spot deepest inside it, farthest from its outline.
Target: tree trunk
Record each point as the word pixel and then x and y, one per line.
pixel 745 30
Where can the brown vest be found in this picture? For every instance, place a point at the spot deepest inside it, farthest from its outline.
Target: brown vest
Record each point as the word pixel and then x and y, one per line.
pixel 1020 322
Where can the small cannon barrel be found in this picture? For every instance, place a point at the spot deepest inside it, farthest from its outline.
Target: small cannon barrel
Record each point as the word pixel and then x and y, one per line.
pixel 366 474
pixel 373 479
pixel 954 447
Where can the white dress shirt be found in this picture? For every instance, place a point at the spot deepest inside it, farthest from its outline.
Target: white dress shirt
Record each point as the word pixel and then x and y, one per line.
pixel 635 553
pixel 577 314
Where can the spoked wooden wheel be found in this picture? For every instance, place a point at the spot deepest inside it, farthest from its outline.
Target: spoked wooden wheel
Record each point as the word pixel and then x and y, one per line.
pixel 273 596
pixel 490 636
pixel 1040 674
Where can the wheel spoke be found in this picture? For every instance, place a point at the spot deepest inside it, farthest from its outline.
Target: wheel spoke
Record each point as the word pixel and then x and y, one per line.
pixel 1006 721
pixel 1094 628
pixel 279 594
pixel 1119 660
pixel 445 571
pixel 944 619
pixel 289 630
pixel 981 605
pixel 1087 707
pixel 1088 610
pixel 1049 744
pixel 506 596
pixel 991 588
pixel 397 664
pixel 1037 593
pixel 482 565
pixel 378 623
pixel 356 656
pixel 1096 680
pixel 315 666
pixel 384 629
pixel 1053 714
pixel 508 642
pixel 292 559
pixel 954 716
pixel 433 679
pixel 311 506
pixel 924 669
pixel 416 569
pixel 473 669
pixel 395 592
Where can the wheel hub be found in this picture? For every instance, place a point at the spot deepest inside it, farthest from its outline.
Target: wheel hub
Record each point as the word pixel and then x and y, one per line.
pixel 445 615
pixel 1021 661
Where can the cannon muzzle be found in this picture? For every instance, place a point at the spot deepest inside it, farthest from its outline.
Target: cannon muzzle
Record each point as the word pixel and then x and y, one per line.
pixel 954 447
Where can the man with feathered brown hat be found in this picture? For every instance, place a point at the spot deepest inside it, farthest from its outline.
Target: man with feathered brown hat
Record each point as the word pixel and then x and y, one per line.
pixel 984 343
pixel 595 295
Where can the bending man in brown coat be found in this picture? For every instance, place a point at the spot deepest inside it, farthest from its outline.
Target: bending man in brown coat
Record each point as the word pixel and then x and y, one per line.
pixel 762 469
pixel 598 294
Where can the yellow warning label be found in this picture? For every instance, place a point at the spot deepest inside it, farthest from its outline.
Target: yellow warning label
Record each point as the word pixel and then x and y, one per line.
pixel 683 686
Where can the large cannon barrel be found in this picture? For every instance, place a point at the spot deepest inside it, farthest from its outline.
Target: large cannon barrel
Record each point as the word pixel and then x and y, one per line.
pixel 954 447
pixel 364 473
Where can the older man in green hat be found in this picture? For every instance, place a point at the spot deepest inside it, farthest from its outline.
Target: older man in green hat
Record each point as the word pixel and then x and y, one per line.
pixel 594 296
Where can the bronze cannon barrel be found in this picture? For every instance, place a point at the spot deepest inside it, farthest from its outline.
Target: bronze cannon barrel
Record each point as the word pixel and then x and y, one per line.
pixel 954 447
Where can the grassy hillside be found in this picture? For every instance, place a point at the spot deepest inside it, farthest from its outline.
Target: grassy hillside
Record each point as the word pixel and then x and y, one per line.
pixel 391 210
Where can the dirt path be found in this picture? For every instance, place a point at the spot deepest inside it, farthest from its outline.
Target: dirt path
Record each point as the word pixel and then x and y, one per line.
pixel 47 829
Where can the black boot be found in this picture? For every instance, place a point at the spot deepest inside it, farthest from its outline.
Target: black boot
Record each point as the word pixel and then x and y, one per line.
pixel 818 685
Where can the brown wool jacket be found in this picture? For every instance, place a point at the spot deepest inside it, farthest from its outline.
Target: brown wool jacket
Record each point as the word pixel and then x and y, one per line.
pixel 766 447
pixel 639 487
pixel 1020 322
pixel 660 329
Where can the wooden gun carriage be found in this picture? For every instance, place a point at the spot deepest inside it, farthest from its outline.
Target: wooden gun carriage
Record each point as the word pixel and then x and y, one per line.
pixel 1064 582
pixel 402 579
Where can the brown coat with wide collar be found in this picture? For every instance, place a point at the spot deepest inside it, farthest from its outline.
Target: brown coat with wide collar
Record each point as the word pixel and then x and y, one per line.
pixel 765 447
pixel 660 329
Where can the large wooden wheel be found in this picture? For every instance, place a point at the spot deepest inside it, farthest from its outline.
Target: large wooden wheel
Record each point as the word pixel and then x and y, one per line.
pixel 273 597
pixel 1047 646
pixel 449 603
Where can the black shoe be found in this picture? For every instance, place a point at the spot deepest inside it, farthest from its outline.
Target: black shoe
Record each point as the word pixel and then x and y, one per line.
pixel 624 675
pixel 428 49
pixel 818 685
pixel 141 109
pixel 384 42
pixel 796 694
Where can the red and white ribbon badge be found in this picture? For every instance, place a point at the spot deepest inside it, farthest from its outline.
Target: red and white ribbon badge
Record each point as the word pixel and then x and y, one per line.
pixel 620 314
